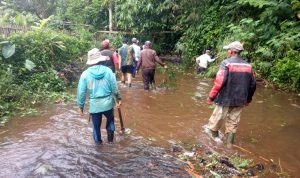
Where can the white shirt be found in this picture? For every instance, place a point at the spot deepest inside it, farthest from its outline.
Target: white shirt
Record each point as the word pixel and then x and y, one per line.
pixel 137 51
pixel 203 60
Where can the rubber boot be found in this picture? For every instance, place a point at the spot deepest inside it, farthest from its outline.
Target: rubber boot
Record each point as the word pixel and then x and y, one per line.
pixel 230 138
pixel 110 137
pixel 214 134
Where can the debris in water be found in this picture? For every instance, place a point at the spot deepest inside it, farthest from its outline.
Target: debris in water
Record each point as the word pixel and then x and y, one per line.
pixel 259 167
pixel 43 169
pixel 189 154
pixel 152 139
pixel 295 105
pixel 128 131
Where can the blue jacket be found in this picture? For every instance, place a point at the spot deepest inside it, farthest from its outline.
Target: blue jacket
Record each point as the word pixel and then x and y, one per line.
pixel 100 82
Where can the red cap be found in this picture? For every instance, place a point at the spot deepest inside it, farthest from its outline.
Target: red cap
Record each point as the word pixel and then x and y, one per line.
pixel 105 44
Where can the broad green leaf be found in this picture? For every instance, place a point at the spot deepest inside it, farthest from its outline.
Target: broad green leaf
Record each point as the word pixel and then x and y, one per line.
pixel 4 42
pixel 29 64
pixel 8 50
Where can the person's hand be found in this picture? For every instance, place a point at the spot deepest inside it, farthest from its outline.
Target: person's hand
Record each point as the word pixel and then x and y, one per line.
pixel 118 105
pixel 209 101
pixel 81 111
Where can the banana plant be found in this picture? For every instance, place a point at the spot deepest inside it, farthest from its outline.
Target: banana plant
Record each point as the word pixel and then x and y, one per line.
pixel 8 49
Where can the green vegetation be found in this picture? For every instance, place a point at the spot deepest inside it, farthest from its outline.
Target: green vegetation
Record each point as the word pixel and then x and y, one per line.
pixel 31 63
pixel 31 68
pixel 268 29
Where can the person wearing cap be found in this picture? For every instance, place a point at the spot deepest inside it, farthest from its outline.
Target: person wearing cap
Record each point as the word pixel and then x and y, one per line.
pixel 113 60
pixel 137 52
pixel 148 60
pixel 233 89
pixel 126 58
pixel 203 60
pixel 100 83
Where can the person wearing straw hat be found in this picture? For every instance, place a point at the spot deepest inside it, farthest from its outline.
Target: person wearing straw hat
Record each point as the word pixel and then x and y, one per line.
pixel 100 82
pixel 233 89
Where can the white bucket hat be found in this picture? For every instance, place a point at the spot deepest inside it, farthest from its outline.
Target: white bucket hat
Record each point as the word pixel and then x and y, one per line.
pixel 234 46
pixel 94 56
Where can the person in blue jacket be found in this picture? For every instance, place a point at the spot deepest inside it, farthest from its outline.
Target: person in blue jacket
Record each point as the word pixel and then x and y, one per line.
pixel 100 82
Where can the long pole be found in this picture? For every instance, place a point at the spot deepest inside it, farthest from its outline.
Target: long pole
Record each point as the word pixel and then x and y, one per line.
pixel 121 120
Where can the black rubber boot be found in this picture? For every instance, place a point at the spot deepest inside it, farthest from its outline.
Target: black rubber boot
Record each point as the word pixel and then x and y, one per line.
pixel 214 133
pixel 110 137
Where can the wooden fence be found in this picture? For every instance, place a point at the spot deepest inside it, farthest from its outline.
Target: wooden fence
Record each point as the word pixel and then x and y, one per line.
pixel 5 31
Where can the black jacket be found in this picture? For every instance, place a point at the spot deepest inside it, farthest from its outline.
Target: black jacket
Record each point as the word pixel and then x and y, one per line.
pixel 235 83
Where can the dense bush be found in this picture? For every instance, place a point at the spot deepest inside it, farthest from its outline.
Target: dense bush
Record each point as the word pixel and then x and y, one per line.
pixel 268 29
pixel 31 74
pixel 286 71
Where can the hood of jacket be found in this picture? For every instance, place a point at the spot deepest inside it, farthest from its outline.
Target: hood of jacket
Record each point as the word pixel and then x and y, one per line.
pixel 97 71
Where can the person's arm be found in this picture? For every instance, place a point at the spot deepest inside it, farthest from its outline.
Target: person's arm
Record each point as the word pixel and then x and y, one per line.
pixel 209 59
pixel 252 88
pixel 139 64
pixel 120 58
pixel 133 54
pixel 218 83
pixel 115 89
pixel 115 58
pixel 81 93
pixel 158 60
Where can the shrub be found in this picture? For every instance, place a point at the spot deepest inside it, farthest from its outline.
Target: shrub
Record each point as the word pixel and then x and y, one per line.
pixel 286 71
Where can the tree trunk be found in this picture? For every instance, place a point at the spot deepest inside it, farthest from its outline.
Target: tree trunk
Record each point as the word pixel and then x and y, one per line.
pixel 110 17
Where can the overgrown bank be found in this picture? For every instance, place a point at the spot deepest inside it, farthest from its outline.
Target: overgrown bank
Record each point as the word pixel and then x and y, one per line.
pixel 268 29
pixel 36 67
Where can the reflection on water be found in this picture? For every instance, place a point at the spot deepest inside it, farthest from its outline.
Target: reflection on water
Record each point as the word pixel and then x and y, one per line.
pixel 62 147
pixel 59 143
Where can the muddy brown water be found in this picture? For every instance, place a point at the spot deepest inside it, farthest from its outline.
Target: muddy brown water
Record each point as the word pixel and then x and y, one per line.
pixel 58 142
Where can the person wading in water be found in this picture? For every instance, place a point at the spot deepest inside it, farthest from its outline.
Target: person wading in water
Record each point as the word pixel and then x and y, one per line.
pixel 233 89
pixel 100 82
pixel 126 58
pixel 147 61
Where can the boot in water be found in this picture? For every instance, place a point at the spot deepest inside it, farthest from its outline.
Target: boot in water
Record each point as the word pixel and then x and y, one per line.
pixel 215 136
pixel 110 137
pixel 230 139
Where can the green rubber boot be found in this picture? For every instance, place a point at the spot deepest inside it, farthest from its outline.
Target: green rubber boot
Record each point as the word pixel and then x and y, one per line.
pixel 230 138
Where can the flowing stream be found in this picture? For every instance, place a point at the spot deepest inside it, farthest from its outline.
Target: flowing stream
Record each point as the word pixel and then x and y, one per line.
pixel 58 142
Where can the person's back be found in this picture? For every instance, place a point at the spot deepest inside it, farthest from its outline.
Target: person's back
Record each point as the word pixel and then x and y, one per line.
pixel 101 85
pixel 238 81
pixel 137 51
pixel 148 57
pixel 109 63
pixel 126 52
pixel 233 89
pixel 107 52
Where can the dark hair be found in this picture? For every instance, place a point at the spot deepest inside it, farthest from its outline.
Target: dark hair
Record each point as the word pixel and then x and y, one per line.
pixel 125 40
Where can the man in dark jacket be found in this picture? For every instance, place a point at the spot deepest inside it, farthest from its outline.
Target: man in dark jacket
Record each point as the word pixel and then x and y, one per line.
pixel 233 89
pixel 112 61
pixel 147 61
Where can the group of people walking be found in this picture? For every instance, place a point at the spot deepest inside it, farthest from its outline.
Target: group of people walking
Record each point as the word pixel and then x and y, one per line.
pixel 233 88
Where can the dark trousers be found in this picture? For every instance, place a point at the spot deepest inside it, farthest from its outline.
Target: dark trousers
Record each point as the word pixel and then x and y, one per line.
pixel 97 121
pixel 148 77
pixel 200 70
